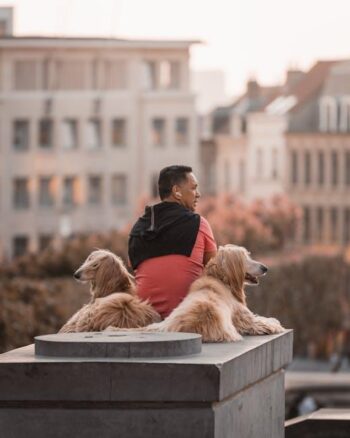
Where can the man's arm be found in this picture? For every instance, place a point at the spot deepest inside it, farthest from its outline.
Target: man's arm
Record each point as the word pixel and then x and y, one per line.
pixel 208 255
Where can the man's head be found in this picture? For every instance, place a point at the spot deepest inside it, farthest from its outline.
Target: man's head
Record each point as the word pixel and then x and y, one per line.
pixel 178 184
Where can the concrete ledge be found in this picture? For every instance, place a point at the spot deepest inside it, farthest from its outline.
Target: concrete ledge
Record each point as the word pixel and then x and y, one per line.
pixel 227 390
pixel 324 423
pixel 219 371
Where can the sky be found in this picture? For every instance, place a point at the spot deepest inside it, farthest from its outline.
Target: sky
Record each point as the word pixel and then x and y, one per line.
pixel 243 38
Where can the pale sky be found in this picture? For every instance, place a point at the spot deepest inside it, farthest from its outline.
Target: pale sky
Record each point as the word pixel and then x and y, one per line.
pixel 243 38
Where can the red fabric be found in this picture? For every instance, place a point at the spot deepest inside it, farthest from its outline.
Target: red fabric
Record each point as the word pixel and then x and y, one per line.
pixel 165 280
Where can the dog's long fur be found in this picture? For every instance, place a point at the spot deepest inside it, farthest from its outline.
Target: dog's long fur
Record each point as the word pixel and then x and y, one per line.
pixel 215 306
pixel 113 298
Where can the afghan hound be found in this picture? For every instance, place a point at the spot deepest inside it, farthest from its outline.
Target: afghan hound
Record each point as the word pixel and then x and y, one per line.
pixel 215 306
pixel 113 297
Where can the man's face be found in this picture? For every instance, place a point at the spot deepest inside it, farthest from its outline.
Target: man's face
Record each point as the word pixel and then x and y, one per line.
pixel 189 193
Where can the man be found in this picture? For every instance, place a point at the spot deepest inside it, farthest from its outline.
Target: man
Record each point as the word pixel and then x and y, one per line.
pixel 170 244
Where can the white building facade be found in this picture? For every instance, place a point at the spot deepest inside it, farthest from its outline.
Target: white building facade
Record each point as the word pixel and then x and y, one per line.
pixel 85 126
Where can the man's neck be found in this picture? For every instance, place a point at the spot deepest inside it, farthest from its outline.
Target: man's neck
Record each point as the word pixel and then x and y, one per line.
pixel 171 199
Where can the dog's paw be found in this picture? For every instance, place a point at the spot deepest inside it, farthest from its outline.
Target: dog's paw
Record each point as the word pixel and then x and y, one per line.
pixel 274 326
pixel 232 337
pixel 110 328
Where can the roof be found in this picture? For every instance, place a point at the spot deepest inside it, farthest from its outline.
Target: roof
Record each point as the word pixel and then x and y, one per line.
pixel 338 80
pixel 308 86
pixel 244 103
pixel 312 82
pixel 70 41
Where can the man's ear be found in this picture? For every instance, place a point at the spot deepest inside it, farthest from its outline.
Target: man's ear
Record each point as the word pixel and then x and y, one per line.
pixel 176 192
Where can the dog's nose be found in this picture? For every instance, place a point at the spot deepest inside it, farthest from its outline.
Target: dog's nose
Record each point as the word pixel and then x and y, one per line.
pixel 76 275
pixel 264 269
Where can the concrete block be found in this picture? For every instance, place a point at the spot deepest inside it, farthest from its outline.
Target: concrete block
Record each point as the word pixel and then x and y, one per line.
pixel 227 390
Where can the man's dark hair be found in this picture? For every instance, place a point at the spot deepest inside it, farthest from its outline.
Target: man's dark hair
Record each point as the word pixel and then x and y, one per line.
pixel 170 176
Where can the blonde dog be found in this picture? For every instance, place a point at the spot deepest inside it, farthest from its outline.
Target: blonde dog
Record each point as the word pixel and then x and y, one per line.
pixel 113 297
pixel 215 306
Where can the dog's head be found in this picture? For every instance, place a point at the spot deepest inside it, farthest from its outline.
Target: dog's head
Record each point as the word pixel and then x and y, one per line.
pixel 234 266
pixel 106 272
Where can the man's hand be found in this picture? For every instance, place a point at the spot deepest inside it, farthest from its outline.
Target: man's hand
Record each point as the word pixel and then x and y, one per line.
pixel 208 255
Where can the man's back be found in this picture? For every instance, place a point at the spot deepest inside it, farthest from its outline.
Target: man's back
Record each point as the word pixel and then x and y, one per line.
pixel 170 244
pixel 165 280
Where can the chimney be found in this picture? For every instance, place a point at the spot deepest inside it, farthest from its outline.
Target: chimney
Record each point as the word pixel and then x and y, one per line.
pixel 6 22
pixel 292 78
pixel 253 89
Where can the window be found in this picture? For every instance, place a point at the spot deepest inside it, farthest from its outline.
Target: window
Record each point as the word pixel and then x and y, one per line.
pixel 68 193
pixel 347 225
pixel 320 222
pixel 119 189
pixel 169 75
pixel 46 133
pixel 72 75
pixel 164 74
pixel 274 168
pixel 94 74
pixel 44 241
pixel 21 135
pixel 227 176
pixel 345 115
pixel 25 75
pixel 328 114
pixel 347 168
pixel 3 28
pixel 70 134
pixel 116 75
pixel 158 132
pixel 307 168
pixel 334 168
pixel 241 176
pixel 20 245
pixel 154 185
pixel 46 74
pixel 175 75
pixel 95 190
pixel 259 164
pixel 21 193
pixel 307 225
pixel 94 134
pixel 119 132
pixel 294 170
pixel 334 224
pixel 320 168
pixel 149 75
pixel 182 131
pixel 46 192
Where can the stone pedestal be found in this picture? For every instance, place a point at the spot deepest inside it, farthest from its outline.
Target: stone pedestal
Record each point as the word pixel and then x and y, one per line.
pixel 118 344
pixel 228 390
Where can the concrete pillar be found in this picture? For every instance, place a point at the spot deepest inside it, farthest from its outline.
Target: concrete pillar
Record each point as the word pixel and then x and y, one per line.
pixel 227 390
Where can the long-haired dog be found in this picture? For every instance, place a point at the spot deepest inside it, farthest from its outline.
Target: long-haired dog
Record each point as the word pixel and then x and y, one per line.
pixel 215 306
pixel 113 297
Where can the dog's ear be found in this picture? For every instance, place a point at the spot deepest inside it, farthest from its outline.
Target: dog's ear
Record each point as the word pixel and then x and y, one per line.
pixel 228 266
pixel 111 277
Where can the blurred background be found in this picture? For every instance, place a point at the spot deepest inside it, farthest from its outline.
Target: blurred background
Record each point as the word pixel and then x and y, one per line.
pixel 96 96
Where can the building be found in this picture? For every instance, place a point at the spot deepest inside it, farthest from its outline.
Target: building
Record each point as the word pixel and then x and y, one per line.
pixel 234 136
pixel 318 146
pixel 210 87
pixel 292 139
pixel 85 126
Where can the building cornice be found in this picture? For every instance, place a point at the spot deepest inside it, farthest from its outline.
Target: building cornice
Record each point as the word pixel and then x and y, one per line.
pixel 92 43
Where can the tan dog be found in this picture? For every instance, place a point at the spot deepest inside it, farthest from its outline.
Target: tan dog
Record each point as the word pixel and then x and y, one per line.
pixel 113 298
pixel 215 306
